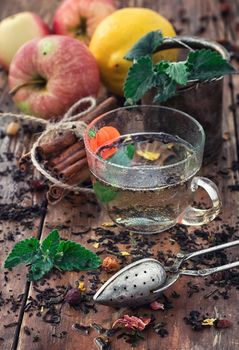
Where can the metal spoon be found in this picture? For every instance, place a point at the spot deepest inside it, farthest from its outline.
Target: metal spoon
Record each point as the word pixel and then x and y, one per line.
pixel 144 280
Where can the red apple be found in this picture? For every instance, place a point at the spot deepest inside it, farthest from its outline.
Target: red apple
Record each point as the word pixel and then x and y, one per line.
pixel 17 30
pixel 48 75
pixel 79 18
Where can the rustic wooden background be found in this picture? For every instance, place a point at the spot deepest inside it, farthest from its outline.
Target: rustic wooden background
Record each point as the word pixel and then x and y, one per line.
pixel 26 330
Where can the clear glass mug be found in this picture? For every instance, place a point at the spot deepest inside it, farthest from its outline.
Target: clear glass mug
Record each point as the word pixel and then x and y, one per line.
pixel 145 178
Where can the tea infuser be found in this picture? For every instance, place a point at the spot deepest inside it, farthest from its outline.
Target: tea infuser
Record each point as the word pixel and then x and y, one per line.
pixel 142 281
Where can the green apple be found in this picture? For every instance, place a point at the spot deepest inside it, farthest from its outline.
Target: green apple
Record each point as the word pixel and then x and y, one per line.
pixel 15 31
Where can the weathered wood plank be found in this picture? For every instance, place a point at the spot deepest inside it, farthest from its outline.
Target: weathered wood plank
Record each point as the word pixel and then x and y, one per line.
pixel 13 284
pixel 14 287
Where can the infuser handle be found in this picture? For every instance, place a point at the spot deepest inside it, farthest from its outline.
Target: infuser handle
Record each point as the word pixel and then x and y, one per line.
pixel 211 249
pixel 207 272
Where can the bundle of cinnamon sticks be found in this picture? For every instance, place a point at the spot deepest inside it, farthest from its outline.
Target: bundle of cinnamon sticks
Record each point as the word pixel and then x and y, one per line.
pixel 65 156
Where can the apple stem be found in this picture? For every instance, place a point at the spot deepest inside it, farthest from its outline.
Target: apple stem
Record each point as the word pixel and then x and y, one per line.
pixel 14 90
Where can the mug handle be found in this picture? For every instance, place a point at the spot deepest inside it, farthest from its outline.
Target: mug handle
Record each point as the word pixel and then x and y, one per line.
pixel 194 216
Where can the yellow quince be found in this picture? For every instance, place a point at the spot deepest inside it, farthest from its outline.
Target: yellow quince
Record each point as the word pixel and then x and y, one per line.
pixel 116 35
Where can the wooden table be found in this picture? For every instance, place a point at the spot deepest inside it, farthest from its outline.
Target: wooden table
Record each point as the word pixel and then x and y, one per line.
pixel 22 321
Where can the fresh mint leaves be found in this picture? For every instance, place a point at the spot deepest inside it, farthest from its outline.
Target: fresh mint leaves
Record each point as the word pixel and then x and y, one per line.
pixel 166 90
pixel 53 252
pixel 207 64
pixel 104 193
pixel 147 45
pixel 23 252
pixel 39 267
pixel 123 156
pixel 72 256
pixel 50 244
pixel 141 78
pixel 178 72
pixel 165 76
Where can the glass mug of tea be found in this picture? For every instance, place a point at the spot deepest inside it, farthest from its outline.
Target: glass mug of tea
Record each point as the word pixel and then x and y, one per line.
pixel 143 161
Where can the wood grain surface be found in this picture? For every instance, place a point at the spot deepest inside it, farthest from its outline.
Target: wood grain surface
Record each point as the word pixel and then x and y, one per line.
pixel 23 328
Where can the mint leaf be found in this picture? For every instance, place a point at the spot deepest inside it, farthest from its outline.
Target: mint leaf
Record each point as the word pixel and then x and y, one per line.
pixel 92 133
pixel 44 260
pixel 167 89
pixel 139 80
pixel 178 71
pixel 120 158
pixel 147 45
pixel 123 156
pixel 50 244
pixel 207 64
pixel 104 193
pixel 130 150
pixel 72 256
pixel 40 267
pixel 23 252
pixel 161 67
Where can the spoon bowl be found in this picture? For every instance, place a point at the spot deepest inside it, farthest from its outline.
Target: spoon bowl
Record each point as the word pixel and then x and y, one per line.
pixel 133 285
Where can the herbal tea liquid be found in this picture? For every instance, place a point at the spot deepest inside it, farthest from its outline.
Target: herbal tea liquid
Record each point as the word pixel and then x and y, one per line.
pixel 139 203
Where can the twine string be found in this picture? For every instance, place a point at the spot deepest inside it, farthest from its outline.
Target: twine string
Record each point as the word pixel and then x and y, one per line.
pixel 70 121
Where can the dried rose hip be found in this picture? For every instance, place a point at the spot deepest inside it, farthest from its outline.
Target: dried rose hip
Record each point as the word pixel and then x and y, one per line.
pixel 73 296
pixel 110 264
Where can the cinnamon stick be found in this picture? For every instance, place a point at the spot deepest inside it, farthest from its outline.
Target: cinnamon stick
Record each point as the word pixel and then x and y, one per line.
pixel 66 153
pixel 105 106
pixel 80 177
pixel 67 138
pixel 72 170
pixel 56 193
pixel 69 161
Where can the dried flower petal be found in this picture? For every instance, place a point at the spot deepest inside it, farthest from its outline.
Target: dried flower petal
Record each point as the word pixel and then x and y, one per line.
pixel 108 224
pixel 170 146
pixel 127 138
pixel 208 322
pixel 148 155
pixel 132 322
pixel 155 305
pixel 125 253
pixel 110 264
pixel 81 286
pixel 96 245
